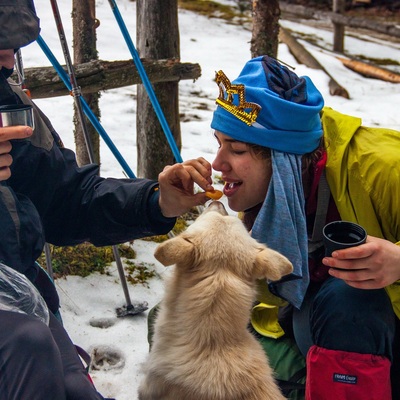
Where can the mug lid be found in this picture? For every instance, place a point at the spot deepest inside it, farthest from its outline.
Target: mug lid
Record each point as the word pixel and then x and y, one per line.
pixel 15 107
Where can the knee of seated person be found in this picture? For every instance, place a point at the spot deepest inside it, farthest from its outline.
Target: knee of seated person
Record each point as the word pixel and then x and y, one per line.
pixel 349 319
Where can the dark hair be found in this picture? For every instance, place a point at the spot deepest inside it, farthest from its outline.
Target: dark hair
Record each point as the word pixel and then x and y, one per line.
pixel 260 151
pixel 309 161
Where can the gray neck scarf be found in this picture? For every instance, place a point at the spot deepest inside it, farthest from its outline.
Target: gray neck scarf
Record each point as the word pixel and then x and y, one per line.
pixel 281 224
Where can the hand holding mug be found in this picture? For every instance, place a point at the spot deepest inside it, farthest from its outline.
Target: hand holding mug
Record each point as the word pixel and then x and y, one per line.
pixel 373 265
pixel 16 122
pixel 342 235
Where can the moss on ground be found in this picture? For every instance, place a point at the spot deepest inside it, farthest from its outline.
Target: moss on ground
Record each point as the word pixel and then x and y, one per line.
pixel 85 259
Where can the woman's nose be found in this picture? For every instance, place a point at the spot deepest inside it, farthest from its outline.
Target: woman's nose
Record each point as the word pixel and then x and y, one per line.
pixel 219 163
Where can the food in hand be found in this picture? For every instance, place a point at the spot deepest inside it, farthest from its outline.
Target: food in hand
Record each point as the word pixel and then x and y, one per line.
pixel 214 194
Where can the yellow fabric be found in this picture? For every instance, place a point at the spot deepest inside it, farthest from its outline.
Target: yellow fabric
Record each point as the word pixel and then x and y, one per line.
pixel 265 320
pixel 264 317
pixel 394 294
pixel 265 296
pixel 363 173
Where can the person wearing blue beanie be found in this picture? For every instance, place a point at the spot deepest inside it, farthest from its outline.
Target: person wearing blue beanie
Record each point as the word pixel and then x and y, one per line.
pixel 287 106
pixel 270 106
pixel 290 166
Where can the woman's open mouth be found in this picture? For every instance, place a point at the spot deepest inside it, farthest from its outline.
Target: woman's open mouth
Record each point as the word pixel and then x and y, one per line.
pixel 230 188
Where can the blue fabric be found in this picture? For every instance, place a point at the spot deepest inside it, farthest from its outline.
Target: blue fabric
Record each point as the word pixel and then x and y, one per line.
pixel 367 326
pixel 281 224
pixel 289 119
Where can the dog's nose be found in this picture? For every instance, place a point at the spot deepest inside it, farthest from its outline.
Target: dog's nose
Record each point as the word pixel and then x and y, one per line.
pixel 216 206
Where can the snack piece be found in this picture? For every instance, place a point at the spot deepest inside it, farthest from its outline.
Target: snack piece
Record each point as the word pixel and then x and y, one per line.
pixel 214 194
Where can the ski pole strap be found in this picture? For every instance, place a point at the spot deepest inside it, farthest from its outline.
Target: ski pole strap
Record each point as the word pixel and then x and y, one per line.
pixel 315 240
pixel 84 356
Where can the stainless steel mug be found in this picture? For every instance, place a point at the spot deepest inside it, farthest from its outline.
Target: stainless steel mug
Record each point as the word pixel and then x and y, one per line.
pixel 16 114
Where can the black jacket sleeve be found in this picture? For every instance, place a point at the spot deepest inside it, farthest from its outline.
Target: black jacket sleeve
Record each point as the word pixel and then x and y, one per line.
pixel 73 202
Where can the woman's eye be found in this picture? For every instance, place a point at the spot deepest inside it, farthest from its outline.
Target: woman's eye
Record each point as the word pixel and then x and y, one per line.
pixel 239 151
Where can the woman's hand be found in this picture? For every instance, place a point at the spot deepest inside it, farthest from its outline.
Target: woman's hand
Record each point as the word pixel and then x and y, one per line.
pixel 6 134
pixel 177 186
pixel 372 265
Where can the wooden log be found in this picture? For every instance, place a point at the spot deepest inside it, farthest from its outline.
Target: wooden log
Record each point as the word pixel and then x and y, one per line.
pixel 391 29
pixel 370 71
pixel 303 56
pixel 84 50
pixel 157 37
pixel 338 29
pixel 100 75
pixel 265 32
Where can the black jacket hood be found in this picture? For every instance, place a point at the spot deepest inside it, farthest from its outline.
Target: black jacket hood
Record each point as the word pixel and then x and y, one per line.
pixel 19 24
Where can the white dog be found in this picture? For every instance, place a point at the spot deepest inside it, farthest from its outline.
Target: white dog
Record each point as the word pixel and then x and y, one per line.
pixel 202 349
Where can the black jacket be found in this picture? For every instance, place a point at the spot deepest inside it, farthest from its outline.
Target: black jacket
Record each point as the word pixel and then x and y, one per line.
pixel 49 198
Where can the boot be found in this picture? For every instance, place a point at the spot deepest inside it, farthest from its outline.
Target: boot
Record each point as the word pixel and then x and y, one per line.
pixel 334 375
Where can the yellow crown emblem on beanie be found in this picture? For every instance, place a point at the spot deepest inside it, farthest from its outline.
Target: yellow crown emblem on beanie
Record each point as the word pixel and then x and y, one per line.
pixel 225 100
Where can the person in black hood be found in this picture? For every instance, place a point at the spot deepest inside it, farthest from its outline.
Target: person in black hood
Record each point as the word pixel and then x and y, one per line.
pixel 46 197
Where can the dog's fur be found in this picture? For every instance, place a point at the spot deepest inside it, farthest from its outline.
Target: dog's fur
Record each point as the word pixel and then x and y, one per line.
pixel 202 349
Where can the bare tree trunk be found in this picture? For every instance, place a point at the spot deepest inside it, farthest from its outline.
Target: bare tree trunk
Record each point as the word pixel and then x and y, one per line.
pixel 84 37
pixel 338 28
pixel 264 39
pixel 157 38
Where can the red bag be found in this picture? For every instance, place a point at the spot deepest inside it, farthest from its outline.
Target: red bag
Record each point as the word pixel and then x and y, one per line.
pixel 342 375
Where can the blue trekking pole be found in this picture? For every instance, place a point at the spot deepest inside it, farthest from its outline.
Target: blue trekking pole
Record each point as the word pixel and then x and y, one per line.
pixel 145 80
pixel 88 112
pixel 72 85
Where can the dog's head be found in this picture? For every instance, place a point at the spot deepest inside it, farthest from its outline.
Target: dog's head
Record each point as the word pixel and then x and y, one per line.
pixel 216 240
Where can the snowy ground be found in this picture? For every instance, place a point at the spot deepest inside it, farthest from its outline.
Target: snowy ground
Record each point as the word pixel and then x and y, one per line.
pixel 214 44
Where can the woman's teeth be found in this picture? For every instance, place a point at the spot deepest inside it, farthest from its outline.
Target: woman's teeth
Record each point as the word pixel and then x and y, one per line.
pixel 232 185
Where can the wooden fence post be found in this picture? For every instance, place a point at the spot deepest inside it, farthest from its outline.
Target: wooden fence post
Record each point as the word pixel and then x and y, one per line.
pixel 338 28
pixel 157 38
pixel 84 47
pixel 265 32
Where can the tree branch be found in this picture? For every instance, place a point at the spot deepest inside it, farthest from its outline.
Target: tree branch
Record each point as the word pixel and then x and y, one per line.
pixel 100 75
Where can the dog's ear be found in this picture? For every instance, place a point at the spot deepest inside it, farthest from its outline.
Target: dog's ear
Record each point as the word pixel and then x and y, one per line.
pixel 271 265
pixel 174 250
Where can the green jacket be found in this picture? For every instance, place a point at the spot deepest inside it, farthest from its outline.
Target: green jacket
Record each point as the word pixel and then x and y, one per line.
pixel 363 173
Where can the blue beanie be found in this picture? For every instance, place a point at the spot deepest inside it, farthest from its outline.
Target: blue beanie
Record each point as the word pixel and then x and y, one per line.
pixel 288 107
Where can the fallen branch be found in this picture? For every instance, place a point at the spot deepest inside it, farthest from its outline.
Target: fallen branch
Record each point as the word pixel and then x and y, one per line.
pixel 303 56
pixel 370 71
pixel 391 29
pixel 100 75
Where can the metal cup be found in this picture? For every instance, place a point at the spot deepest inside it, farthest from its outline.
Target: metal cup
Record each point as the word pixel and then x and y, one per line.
pixel 341 235
pixel 16 114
